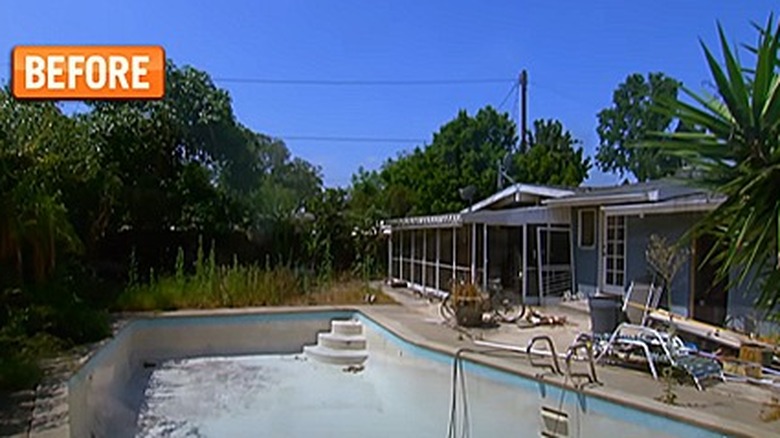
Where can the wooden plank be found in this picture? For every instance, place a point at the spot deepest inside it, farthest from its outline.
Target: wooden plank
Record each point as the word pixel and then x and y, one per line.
pixel 720 335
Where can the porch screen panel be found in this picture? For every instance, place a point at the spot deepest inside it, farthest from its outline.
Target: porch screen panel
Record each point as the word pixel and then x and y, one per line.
pixel 396 271
pixel 430 258
pixel 408 266
pixel 463 256
pixel 556 261
pixel 532 273
pixel 446 247
pixel 418 257
pixel 505 262
pixel 512 275
pixel 479 254
pixel 445 261
pixel 615 246
pixel 446 277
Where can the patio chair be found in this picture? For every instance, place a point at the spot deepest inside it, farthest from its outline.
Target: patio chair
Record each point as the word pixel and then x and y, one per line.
pixel 658 348
pixel 639 301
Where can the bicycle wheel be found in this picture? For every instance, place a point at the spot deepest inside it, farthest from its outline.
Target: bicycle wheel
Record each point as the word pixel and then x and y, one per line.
pixel 447 308
pixel 506 309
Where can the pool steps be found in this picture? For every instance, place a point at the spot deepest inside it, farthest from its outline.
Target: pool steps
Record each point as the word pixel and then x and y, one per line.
pixel 345 344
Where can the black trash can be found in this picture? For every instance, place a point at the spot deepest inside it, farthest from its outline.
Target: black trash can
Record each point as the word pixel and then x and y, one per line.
pixel 605 313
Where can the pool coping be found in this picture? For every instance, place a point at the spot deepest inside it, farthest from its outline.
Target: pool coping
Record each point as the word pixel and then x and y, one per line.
pixel 383 316
pixel 678 413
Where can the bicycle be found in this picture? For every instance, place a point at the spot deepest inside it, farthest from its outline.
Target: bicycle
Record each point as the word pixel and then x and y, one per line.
pixel 496 302
pixel 503 304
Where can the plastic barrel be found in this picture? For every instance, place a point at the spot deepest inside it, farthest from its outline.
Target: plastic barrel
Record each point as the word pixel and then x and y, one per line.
pixel 605 313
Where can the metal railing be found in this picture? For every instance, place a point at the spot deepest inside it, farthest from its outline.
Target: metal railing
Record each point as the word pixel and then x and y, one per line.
pixel 554 365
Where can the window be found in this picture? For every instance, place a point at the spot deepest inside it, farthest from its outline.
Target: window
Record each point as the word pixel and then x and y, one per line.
pixel 615 253
pixel 587 229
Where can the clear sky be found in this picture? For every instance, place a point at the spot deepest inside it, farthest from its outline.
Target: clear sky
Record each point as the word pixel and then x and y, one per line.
pixel 576 53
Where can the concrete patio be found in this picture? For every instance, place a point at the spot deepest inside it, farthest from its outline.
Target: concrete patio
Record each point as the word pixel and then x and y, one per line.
pixel 731 407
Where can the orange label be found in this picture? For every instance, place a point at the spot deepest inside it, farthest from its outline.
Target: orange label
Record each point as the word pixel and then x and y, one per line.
pixel 88 72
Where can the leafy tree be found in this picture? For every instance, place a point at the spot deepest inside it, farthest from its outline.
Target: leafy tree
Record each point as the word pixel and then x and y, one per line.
pixel 285 186
pixel 628 120
pixel 186 162
pixel 552 157
pixel 464 152
pixel 737 154
pixel 329 239
pixel 41 152
pixel 168 153
pixel 368 205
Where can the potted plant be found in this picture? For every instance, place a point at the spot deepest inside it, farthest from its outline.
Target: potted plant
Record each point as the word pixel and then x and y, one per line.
pixel 468 301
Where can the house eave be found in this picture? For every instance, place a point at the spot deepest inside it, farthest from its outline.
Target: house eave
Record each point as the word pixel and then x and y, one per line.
pixel 420 222
pixel 667 207
pixel 583 201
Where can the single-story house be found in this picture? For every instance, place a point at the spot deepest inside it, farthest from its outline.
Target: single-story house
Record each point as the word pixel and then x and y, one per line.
pixel 543 243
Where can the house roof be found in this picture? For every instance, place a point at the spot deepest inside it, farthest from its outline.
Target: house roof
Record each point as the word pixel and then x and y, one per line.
pixel 519 216
pixel 515 202
pixel 512 195
pixel 518 193
pixel 642 192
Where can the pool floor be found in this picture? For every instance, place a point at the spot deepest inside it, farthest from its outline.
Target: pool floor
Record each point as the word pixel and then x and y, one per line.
pixel 293 396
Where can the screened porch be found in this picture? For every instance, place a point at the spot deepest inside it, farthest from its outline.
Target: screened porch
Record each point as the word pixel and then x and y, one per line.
pixel 527 252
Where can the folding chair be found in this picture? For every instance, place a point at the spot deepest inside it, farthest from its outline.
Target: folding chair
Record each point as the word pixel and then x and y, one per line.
pixel 639 301
pixel 659 348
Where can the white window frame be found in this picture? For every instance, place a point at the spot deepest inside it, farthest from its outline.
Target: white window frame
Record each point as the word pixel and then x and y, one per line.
pixel 614 288
pixel 579 228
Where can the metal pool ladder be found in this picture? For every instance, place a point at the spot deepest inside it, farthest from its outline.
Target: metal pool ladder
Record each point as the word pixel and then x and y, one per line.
pixel 554 364
pixel 570 354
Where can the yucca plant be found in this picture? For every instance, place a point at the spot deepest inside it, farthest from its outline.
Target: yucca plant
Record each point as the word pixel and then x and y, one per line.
pixel 735 151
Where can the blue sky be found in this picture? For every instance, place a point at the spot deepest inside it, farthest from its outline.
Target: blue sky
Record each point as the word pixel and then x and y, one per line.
pixel 576 53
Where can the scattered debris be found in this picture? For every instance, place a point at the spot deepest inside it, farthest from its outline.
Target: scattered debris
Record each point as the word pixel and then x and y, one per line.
pixel 397 283
pixel 770 411
pixel 535 318
pixel 354 369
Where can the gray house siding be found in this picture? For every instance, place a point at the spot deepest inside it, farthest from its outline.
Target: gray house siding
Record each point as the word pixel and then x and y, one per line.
pixel 639 229
pixel 672 227
pixel 586 259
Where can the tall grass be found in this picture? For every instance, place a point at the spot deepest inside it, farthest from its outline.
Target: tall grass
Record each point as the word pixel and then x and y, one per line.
pixel 213 286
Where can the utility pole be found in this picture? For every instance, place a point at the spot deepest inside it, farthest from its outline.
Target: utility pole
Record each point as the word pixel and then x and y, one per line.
pixel 523 110
pixel 499 171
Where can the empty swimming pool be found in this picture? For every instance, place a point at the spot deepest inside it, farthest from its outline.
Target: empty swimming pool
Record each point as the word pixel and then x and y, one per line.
pixel 245 375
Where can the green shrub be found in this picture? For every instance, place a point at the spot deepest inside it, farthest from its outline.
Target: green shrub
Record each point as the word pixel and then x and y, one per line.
pixel 18 373
pixel 80 324
pixel 19 357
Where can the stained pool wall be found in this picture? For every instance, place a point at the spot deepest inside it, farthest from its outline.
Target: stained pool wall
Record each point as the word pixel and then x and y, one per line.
pixel 104 396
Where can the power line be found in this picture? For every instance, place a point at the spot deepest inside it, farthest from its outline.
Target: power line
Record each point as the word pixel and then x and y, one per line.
pixel 508 95
pixel 349 139
pixel 351 82
pixel 362 82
